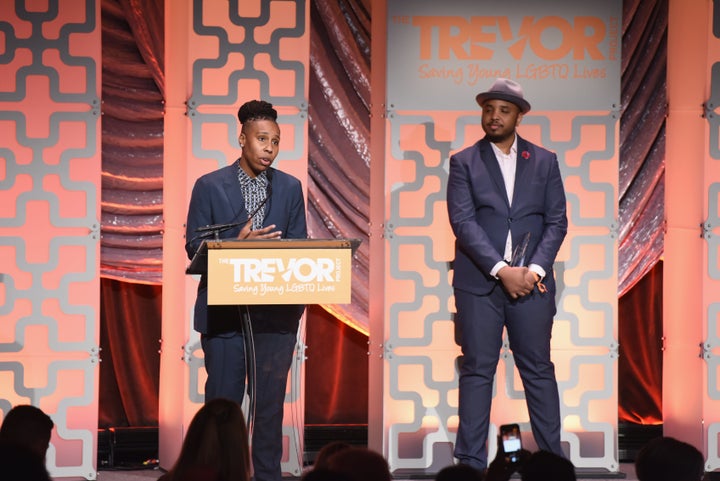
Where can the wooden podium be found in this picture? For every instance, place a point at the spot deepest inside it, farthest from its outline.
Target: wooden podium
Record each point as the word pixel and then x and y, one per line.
pixel 276 271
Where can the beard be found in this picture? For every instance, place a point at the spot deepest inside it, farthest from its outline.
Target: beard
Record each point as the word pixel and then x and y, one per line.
pixel 499 138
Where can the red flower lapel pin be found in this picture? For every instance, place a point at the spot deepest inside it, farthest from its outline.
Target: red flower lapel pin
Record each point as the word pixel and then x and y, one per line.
pixel 525 154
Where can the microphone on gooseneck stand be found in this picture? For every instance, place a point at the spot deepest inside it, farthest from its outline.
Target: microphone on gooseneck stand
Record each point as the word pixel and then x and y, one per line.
pixel 210 231
pixel 218 228
pixel 268 190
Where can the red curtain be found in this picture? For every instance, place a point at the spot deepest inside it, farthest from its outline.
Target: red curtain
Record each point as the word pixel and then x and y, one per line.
pixel 336 373
pixel 130 327
pixel 641 193
pixel 640 338
pixel 131 243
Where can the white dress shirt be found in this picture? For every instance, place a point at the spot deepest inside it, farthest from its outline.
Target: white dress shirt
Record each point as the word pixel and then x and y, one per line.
pixel 508 167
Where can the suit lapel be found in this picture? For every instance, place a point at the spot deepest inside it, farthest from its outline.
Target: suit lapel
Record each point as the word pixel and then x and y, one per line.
pixel 231 185
pixel 522 166
pixel 487 155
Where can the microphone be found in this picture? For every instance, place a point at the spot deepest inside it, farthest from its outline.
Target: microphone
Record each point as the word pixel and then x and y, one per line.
pixel 220 227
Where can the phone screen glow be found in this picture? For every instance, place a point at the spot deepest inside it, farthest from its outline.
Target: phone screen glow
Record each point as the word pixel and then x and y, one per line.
pixel 511 445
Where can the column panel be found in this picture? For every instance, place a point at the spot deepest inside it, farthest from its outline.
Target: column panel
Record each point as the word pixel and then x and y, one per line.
pixel 50 173
pixel 711 236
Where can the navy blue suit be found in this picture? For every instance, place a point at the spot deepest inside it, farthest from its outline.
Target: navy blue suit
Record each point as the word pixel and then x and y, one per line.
pixel 217 198
pixel 480 215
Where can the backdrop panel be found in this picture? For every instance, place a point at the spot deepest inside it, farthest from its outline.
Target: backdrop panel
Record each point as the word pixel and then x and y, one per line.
pixel 228 53
pixel 711 236
pixel 432 113
pixel 691 272
pixel 49 221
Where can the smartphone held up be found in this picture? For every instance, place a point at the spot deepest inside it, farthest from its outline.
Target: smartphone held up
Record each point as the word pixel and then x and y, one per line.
pixel 511 441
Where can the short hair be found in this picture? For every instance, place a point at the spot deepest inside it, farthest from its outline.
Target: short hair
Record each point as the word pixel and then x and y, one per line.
pixel 256 110
pixel 542 465
pixel 28 426
pixel 666 458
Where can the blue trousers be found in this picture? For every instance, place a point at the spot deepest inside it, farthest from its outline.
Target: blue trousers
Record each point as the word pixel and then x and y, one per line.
pixel 226 378
pixel 479 324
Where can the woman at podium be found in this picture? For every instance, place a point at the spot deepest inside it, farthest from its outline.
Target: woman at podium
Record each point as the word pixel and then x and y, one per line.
pixel 249 200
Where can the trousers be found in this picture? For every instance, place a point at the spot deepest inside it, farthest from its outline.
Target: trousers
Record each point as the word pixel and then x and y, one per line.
pixel 227 377
pixel 479 325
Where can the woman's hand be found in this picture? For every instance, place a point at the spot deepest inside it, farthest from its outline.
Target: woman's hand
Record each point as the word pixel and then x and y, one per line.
pixel 268 232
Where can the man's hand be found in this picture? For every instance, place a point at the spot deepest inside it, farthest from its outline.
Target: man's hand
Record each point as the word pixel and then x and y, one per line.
pixel 268 232
pixel 517 281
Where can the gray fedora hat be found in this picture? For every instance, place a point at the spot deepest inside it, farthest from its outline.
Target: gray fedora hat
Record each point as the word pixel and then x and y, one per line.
pixel 505 89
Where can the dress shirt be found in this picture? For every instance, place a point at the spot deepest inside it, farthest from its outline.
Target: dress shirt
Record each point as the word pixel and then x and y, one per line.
pixel 508 167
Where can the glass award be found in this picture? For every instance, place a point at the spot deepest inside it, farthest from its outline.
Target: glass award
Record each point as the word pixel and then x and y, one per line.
pixel 518 257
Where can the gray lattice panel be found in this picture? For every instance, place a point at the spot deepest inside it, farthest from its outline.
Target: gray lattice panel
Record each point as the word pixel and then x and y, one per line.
pixel 49 227
pixel 420 349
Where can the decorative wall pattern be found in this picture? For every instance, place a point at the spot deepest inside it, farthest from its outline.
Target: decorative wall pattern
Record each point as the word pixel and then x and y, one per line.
pixel 49 221
pixel 420 352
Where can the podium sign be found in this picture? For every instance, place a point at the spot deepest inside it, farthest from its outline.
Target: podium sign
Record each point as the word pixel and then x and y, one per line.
pixel 254 274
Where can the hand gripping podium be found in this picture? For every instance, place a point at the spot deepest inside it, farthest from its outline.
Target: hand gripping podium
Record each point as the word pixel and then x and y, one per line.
pixel 276 271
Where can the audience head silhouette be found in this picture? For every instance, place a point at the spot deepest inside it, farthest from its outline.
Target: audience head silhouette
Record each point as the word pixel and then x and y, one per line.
pixel 459 472
pixel 20 463
pixel 24 439
pixel 327 451
pixel 215 447
pixel 544 466
pixel 28 426
pixel 324 474
pixel 668 459
pixel 360 464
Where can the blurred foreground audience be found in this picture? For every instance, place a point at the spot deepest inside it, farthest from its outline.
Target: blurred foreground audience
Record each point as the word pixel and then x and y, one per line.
pixel 459 472
pixel 668 459
pixel 216 447
pixel 24 440
pixel 347 463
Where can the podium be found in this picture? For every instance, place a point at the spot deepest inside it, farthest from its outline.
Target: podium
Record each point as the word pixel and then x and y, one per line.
pixel 273 271
pixel 276 271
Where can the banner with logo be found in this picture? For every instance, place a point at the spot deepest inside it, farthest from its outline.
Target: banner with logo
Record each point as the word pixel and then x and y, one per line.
pixel 279 276
pixel 566 55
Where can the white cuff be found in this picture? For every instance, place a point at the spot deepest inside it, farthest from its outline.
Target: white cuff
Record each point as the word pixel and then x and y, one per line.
pixel 496 268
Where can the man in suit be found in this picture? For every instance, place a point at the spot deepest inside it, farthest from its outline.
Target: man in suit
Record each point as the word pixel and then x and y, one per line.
pixel 504 191
pixel 262 203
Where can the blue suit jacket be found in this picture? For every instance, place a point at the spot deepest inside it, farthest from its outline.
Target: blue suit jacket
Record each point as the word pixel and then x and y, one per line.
pixel 217 199
pixel 480 213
